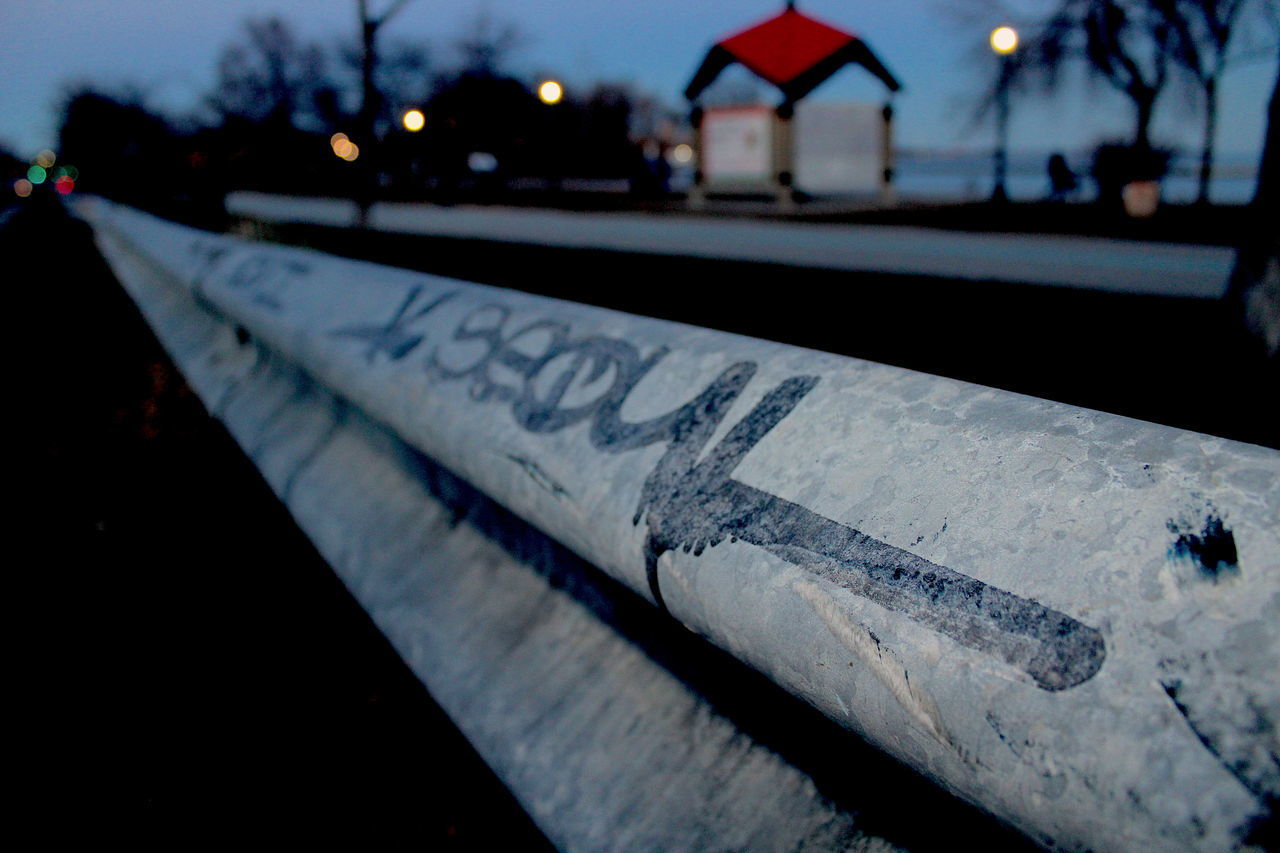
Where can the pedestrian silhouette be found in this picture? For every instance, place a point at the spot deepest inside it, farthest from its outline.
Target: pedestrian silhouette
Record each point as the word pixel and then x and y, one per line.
pixel 1062 181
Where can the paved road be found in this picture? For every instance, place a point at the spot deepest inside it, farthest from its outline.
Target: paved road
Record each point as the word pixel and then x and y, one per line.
pixel 1082 262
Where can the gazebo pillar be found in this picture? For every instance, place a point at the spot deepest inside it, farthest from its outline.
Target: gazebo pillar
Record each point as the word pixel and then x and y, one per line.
pixel 697 198
pixel 795 53
pixel 784 156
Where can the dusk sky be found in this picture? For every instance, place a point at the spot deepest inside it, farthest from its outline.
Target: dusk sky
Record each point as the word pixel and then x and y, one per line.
pixel 169 49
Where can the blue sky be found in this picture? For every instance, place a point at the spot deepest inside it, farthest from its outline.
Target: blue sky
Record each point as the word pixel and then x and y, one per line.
pixel 170 48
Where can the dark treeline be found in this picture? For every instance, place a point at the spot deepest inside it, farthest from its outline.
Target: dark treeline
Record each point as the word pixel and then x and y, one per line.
pixel 269 122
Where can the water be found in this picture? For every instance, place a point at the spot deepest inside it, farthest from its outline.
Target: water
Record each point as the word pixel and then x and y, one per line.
pixel 968 177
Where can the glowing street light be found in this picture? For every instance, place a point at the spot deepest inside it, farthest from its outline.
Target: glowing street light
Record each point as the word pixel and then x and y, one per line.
pixel 550 92
pixel 344 147
pixel 1004 41
pixel 413 120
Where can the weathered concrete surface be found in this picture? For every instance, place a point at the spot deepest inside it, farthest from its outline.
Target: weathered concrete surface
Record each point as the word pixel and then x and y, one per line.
pixel 1115 265
pixel 605 748
pixel 1066 616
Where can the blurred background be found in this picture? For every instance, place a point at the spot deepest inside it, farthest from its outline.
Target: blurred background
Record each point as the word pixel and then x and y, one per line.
pixel 167 102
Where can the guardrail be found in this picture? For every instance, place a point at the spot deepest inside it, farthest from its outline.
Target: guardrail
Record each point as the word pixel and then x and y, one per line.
pixel 1064 616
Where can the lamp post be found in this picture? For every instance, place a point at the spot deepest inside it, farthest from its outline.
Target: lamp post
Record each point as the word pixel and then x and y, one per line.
pixel 550 92
pixel 551 122
pixel 1004 41
pixel 413 120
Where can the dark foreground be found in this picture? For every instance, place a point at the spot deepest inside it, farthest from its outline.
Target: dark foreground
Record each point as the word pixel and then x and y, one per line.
pixel 192 671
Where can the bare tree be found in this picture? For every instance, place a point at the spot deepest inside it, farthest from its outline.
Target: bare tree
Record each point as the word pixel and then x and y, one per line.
pixel 1128 43
pixel 1204 31
pixel 370 97
pixel 486 45
pixel 270 77
pixel 402 77
pixel 1254 289
pixel 371 103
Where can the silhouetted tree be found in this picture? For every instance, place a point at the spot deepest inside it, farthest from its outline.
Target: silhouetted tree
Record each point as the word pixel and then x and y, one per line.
pixel 269 105
pixel 270 77
pixel 606 149
pixel 120 148
pixel 372 103
pixel 1128 43
pixel 474 112
pixel 1204 31
pixel 403 76
pixel 486 45
pixel 127 152
pixel 1254 289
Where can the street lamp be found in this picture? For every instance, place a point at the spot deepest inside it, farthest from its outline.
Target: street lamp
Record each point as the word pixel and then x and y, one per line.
pixel 550 92
pixel 1004 41
pixel 413 120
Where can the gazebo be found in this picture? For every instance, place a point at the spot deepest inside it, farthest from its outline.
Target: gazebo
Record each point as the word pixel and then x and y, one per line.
pixel 795 53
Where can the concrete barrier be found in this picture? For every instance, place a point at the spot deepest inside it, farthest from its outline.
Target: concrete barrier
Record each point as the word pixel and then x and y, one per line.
pixel 1067 617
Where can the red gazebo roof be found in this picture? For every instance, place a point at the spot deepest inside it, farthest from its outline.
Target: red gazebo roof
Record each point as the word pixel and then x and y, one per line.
pixel 792 51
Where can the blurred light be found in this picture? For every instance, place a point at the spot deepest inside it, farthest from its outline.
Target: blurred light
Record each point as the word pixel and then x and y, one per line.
pixel 37 174
pixel 1004 40
pixel 46 159
pixel 22 187
pixel 550 92
pixel 682 153
pixel 344 147
pixel 64 185
pixel 482 162
pixel 414 120
pixel 71 172
pixel 1141 198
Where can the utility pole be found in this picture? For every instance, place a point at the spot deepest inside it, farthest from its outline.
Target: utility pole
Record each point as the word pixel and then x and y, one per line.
pixel 370 103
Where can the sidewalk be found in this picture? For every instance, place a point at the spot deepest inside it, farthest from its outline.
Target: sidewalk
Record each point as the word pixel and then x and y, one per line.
pixel 1117 266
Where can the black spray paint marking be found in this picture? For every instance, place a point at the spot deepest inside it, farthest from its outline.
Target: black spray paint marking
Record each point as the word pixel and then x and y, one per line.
pixel 394 338
pixel 1206 543
pixel 264 277
pixel 689 501
pixel 267 279
pixel 539 476
pixel 1219 730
